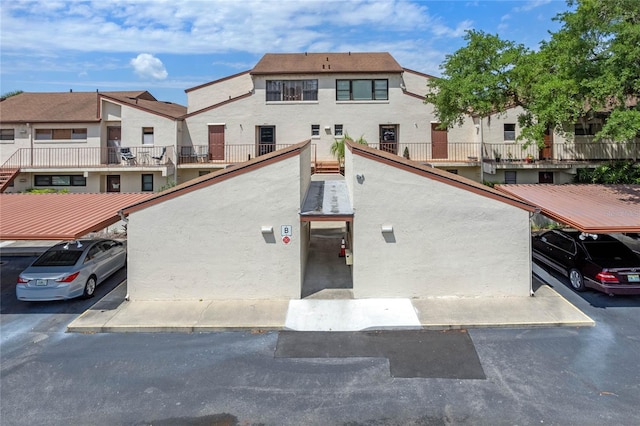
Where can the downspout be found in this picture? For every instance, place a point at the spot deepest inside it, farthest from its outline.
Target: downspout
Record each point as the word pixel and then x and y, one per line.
pixel 126 221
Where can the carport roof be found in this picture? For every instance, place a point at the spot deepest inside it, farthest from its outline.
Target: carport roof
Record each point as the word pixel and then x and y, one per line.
pixel 60 216
pixel 589 208
pixel 327 200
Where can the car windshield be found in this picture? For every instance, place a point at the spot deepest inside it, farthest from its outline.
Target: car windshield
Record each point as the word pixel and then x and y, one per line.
pixel 58 258
pixel 609 250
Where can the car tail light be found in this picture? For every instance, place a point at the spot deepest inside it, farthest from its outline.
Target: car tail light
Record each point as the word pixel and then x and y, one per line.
pixel 607 277
pixel 22 280
pixel 68 278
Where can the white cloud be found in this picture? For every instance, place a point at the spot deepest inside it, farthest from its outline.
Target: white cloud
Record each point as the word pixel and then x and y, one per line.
pixel 148 66
pixel 209 27
pixel 532 4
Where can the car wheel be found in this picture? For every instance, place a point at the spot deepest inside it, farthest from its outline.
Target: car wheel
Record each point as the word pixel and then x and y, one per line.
pixel 89 287
pixel 576 279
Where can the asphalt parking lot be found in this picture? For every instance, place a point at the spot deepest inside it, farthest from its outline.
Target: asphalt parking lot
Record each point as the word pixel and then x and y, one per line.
pixel 559 375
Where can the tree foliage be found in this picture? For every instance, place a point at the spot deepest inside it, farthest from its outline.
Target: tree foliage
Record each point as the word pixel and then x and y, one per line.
pixel 9 94
pixel 590 65
pixel 615 172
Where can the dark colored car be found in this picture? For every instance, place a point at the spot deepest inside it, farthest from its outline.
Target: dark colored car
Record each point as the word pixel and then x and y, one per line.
pixel 596 261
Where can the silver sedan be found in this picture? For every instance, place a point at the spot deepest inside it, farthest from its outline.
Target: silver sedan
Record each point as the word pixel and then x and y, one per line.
pixel 71 269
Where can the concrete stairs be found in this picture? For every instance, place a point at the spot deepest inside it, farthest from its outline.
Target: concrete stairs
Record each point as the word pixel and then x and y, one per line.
pixel 6 177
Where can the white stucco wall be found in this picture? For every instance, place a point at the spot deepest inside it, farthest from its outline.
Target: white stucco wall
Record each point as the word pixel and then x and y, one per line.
pixel 208 244
pixel 293 120
pixel 219 91
pixel 446 241
pixel 165 130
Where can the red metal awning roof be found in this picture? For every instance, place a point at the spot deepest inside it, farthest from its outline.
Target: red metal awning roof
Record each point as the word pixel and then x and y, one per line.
pixel 60 216
pixel 598 209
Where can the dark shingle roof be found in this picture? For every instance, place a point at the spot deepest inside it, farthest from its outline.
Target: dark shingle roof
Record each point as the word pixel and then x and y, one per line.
pixel 314 63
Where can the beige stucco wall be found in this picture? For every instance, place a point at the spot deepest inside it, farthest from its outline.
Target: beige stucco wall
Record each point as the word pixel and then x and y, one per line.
pixel 208 244
pixel 219 91
pixel 25 137
pixel 524 176
pixel 165 130
pixel 293 120
pixel 446 241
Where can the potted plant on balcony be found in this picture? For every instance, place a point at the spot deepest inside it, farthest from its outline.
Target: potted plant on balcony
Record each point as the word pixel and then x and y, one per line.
pixel 529 159
pixel 497 156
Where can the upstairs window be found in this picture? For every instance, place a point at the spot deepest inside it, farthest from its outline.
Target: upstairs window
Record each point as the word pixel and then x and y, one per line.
pixel 61 134
pixel 292 90
pixel 147 136
pixel 587 129
pixel 7 135
pixel 337 130
pixel 362 90
pixel 509 132
pixel 315 130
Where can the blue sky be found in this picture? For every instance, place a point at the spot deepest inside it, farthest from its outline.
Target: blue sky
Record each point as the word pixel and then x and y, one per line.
pixel 167 46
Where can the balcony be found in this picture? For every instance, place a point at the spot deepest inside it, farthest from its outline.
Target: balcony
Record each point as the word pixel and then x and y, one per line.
pixel 226 154
pixel 86 157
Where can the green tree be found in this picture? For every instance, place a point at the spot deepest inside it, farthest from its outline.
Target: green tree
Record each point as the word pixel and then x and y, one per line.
pixel 616 172
pixel 10 94
pixel 591 64
pixel 337 147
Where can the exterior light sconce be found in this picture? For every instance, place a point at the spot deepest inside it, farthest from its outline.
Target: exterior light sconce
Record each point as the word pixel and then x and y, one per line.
pixel 360 178
pixel 387 229
pixel 267 229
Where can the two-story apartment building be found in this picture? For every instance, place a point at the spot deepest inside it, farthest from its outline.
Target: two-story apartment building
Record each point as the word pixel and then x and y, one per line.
pixel 284 99
pixel 77 141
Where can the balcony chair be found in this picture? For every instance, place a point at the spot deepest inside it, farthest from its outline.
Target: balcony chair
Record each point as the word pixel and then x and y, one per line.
pixel 160 157
pixel 127 156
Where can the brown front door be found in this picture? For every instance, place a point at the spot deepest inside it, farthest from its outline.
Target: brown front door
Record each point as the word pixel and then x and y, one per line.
pixel 389 138
pixel 439 142
pixel 216 142
pixel 113 183
pixel 546 152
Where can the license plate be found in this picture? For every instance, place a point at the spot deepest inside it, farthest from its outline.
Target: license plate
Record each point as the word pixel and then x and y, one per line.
pixel 41 282
pixel 633 278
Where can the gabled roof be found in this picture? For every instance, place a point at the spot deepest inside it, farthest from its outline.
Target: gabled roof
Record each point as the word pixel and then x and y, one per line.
pixel 315 63
pixel 220 80
pixel 219 176
pixel 60 216
pixel 597 209
pixel 167 109
pixel 436 174
pixel 75 107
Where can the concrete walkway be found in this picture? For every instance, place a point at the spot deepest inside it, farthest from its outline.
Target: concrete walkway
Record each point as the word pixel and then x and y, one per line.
pixel 114 314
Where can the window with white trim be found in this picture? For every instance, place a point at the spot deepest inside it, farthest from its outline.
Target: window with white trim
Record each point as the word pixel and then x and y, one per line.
pixel 337 129
pixel 147 183
pixel 7 135
pixel 59 180
pixel 509 132
pixel 315 130
pixel 362 90
pixel 61 134
pixel 147 136
pixel 292 90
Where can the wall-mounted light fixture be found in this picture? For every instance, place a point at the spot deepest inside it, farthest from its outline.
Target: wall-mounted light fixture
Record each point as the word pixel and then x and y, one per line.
pixel 387 229
pixel 360 178
pixel 267 229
